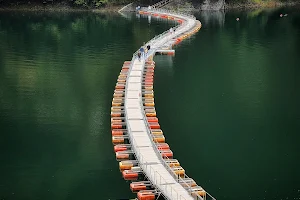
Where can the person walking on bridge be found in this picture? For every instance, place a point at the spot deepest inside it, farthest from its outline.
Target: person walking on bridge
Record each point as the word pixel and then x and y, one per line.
pixel 146 52
pixel 142 52
pixel 148 48
pixel 139 56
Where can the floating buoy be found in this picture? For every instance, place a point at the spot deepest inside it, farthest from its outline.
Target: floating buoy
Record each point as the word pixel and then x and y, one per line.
pixel 118 120
pixel 148 73
pixel 147 91
pixel 150 67
pixel 142 185
pixel 119 91
pixel 121 80
pixel 166 153
pixel 172 162
pixel 148 99
pixel 171 53
pixel 152 119
pixel 117 109
pixel 146 195
pixel 159 138
pixel 178 171
pixel 117 114
pixel 147 76
pixel 118 100
pixel 148 95
pixel 237 19
pixel 119 94
pixel 187 182
pixel 124 155
pixel 122 147
pixel 150 63
pixel 120 139
pixel 120 86
pixel 197 190
pixel 148 83
pixel 127 164
pixel 132 175
pixel 149 110
pixel 162 146
pixel 154 125
pixel 118 125
pixel 280 15
pixel 152 114
pixel 148 80
pixel 123 72
pixel 147 87
pixel 117 104
pixel 149 104
pixel 118 132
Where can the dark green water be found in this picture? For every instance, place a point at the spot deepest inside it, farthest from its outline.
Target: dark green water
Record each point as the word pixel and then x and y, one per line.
pixel 228 103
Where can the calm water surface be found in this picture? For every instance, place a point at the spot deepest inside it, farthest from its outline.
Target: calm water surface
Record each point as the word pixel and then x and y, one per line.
pixel 228 103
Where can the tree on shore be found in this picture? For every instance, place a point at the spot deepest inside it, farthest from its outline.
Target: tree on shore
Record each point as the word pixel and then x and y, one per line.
pixel 103 3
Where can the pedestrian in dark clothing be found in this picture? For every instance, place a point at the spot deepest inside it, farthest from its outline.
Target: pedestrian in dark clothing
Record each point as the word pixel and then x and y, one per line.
pixel 139 56
pixel 142 51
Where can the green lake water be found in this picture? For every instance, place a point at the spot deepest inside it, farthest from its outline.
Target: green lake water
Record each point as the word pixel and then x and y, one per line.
pixel 228 103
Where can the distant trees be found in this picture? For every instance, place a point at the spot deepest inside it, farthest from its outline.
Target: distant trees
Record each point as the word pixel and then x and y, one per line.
pixel 102 3
pixel 86 3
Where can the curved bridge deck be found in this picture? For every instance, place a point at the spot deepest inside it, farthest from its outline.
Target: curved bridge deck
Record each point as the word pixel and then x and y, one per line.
pixel 150 160
pixel 141 141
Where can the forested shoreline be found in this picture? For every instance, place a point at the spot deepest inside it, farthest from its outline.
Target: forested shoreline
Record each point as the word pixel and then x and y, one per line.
pixel 115 4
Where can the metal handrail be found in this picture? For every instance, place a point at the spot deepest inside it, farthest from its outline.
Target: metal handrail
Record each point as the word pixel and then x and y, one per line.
pixel 167 166
pixel 136 150
pixel 160 3
pixel 165 11
pixel 157 150
pixel 178 27
pixel 140 157
pixel 157 181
